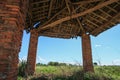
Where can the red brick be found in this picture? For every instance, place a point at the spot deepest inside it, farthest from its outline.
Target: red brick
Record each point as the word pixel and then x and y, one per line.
pixel 10 38
pixel 87 53
pixel 31 60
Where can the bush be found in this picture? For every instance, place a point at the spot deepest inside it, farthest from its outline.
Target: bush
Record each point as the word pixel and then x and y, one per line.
pixel 22 67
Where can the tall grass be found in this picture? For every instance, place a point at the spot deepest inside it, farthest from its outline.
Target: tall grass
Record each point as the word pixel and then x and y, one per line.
pixel 21 68
pixel 75 73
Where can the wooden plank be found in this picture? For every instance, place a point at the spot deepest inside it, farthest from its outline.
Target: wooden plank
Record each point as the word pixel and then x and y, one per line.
pixel 78 14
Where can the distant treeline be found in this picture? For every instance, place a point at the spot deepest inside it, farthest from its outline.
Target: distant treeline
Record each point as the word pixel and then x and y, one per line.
pixel 54 64
pixel 60 64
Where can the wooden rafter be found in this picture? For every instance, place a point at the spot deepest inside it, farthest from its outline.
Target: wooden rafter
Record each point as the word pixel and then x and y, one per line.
pixel 78 14
pixel 105 12
pixel 111 9
pixel 40 1
pixel 92 22
pixel 50 8
pixel 84 2
pixel 81 27
pixel 67 5
pixel 54 16
pixel 102 26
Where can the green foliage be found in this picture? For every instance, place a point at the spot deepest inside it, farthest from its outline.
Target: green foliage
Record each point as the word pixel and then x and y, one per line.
pixel 95 64
pixel 73 72
pixel 56 64
pixel 21 69
pixel 53 63
pixel 40 64
pixel 111 71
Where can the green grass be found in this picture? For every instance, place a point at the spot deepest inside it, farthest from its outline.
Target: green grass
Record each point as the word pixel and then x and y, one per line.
pixel 56 70
pixel 111 71
pixel 75 73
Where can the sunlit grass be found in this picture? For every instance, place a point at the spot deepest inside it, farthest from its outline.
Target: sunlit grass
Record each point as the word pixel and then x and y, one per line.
pixel 75 73
pixel 56 70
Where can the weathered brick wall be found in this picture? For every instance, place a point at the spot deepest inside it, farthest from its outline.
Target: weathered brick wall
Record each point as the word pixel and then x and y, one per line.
pixel 87 53
pixel 12 22
pixel 31 60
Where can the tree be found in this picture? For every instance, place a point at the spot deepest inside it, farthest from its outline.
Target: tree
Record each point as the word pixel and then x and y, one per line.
pixel 95 63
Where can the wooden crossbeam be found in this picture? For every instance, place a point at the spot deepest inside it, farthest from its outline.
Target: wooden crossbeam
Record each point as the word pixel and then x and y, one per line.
pixel 39 1
pixel 67 5
pixel 50 9
pixel 92 22
pixel 102 26
pixel 78 14
pixel 54 16
pixel 80 25
pixel 84 2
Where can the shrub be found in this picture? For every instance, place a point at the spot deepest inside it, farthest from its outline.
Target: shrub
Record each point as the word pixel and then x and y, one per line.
pixel 22 67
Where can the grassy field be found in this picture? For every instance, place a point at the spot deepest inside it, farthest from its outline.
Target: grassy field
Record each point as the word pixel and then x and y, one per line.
pixel 74 73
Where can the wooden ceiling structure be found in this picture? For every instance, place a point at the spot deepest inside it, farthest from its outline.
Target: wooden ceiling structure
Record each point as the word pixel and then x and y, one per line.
pixel 70 18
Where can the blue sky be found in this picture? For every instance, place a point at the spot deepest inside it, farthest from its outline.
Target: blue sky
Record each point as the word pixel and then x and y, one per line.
pixel 105 48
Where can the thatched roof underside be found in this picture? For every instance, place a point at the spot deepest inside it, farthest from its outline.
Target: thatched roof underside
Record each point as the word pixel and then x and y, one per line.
pixel 72 18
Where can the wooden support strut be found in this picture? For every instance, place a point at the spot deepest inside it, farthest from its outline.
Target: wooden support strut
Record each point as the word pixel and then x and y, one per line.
pixel 87 53
pixel 31 59
pixel 77 15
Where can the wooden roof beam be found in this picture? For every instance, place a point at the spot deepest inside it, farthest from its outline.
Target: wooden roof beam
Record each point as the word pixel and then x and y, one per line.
pixel 111 9
pixel 105 12
pixel 92 23
pixel 54 16
pixel 50 8
pixel 93 18
pixel 67 5
pixel 81 27
pixel 39 1
pixel 113 18
pixel 78 14
pixel 85 2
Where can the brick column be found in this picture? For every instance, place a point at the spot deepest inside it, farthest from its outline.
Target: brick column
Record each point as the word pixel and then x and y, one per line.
pixel 31 60
pixel 87 53
pixel 11 30
pixel 10 38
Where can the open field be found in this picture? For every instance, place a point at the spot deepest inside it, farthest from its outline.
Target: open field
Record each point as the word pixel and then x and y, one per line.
pixel 74 73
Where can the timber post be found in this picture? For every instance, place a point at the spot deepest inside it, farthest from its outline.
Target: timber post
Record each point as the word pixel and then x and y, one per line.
pixel 31 59
pixel 87 53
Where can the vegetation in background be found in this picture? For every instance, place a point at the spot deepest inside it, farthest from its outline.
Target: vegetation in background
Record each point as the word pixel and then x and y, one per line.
pixel 62 71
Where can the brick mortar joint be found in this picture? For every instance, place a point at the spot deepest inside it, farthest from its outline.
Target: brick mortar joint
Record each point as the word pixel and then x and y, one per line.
pixel 18 10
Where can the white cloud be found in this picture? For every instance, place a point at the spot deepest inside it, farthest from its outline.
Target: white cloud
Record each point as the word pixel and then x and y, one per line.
pixel 116 62
pixel 40 60
pixel 98 45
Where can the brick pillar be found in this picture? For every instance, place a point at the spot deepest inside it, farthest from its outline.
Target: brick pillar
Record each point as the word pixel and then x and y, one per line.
pixel 87 53
pixel 10 41
pixel 11 30
pixel 31 60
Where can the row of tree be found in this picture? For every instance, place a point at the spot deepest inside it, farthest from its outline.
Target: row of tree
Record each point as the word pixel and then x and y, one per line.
pixel 60 64
pixel 54 64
